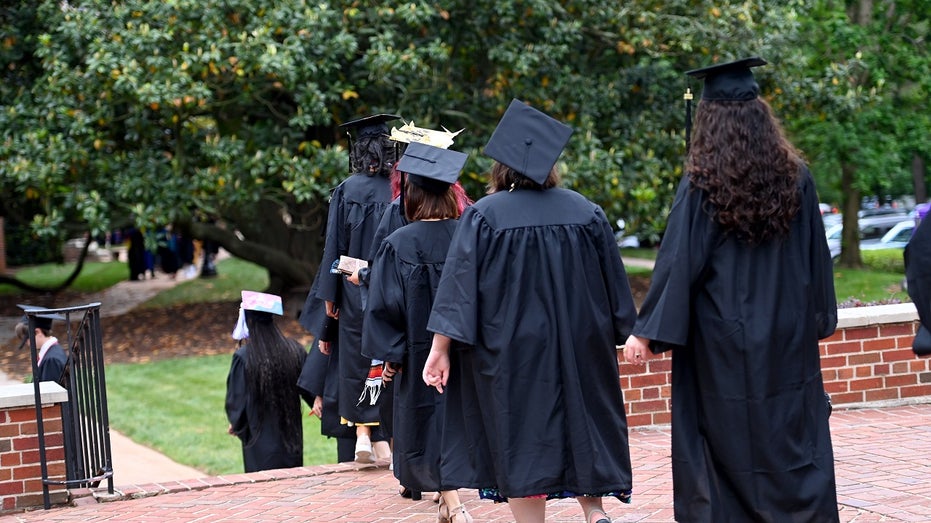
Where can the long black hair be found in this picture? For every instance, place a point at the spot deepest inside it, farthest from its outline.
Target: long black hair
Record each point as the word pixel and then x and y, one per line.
pixel 273 365
pixel 372 154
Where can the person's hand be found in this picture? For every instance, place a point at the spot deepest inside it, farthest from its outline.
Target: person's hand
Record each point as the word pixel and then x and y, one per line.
pixel 354 277
pixel 637 350
pixel 436 368
pixel 229 430
pixel 317 409
pixel 324 347
pixel 389 370
pixel 331 310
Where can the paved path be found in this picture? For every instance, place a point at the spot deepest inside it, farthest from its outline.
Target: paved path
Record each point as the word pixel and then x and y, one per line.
pixel 883 475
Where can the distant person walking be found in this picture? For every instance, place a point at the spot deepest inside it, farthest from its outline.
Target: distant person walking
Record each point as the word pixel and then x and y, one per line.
pixel 741 293
pixel 263 404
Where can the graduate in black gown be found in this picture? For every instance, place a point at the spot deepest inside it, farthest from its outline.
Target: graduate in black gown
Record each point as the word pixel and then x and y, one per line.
pixel 404 276
pixel 52 365
pixel 742 291
pixel 532 303
pixel 318 382
pixel 263 404
pixel 356 207
pixel 918 276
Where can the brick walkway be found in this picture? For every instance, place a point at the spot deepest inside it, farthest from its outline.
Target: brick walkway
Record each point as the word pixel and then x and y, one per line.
pixel 882 466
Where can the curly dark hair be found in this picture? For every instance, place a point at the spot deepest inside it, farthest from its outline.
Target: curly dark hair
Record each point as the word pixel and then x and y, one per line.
pixel 373 154
pixel 740 157
pixel 273 366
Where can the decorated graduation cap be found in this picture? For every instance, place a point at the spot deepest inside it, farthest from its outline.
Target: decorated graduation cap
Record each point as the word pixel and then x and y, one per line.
pixel 409 133
pixel 528 141
pixel 431 168
pixel 257 302
pixel 727 82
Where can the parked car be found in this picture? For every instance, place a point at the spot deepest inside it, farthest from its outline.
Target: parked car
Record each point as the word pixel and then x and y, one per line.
pixel 872 228
pixel 896 238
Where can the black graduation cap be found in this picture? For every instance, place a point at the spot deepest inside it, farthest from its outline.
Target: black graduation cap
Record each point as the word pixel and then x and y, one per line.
pixel 731 81
pixel 528 141
pixel 42 321
pixel 371 125
pixel 431 168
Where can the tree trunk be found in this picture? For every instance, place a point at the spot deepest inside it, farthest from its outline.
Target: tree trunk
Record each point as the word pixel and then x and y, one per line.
pixel 286 240
pixel 850 238
pixel 918 175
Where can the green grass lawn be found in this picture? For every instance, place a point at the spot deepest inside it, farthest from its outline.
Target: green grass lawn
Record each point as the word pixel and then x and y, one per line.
pixel 868 286
pixel 233 275
pixel 95 276
pixel 177 407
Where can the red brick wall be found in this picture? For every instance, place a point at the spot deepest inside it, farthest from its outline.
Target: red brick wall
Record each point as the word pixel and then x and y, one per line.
pixel 20 466
pixel 860 364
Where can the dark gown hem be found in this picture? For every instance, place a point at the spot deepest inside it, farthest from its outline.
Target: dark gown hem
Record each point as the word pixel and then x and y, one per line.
pixel 495 495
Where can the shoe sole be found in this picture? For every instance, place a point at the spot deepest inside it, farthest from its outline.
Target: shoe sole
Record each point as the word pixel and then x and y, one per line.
pixel 363 456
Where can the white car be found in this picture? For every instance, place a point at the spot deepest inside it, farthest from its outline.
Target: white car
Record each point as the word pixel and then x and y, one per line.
pixel 872 229
pixel 896 238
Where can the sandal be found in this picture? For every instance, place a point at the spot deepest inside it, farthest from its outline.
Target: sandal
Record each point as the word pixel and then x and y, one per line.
pixel 603 519
pixel 460 515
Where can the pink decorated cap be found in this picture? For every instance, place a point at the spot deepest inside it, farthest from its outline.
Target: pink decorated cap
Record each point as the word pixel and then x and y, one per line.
pixel 260 301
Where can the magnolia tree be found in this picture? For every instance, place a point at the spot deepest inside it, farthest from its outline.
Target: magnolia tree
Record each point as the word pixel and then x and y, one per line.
pixel 221 118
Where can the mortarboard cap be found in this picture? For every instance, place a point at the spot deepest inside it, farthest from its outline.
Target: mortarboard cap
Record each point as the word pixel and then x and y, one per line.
pixel 528 141
pixel 259 302
pixel 729 82
pixel 371 125
pixel 431 168
pixel 41 321
pixel 409 133
pixel 262 302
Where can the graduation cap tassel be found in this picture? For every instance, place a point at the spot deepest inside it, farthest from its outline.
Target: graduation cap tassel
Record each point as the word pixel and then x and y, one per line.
pixel 401 194
pixel 349 137
pixel 688 118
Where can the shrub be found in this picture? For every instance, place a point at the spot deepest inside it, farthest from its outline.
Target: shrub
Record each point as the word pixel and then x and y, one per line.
pixel 884 260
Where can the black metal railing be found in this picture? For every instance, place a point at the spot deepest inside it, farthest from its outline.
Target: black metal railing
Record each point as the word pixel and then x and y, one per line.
pixel 85 420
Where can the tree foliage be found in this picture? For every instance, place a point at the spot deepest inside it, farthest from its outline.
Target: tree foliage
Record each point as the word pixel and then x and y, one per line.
pixel 222 117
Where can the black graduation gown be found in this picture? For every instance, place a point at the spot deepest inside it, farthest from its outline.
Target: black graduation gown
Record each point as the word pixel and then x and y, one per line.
pixel 918 275
pixel 263 443
pixel 356 207
pixel 535 286
pixel 750 433
pixel 313 382
pixel 52 366
pixel 405 274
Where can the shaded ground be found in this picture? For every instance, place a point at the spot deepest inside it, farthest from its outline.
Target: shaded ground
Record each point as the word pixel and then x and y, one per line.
pixel 150 334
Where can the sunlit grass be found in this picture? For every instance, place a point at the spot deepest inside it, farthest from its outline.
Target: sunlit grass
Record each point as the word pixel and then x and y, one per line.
pixel 177 407
pixel 233 275
pixel 94 276
pixel 868 286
